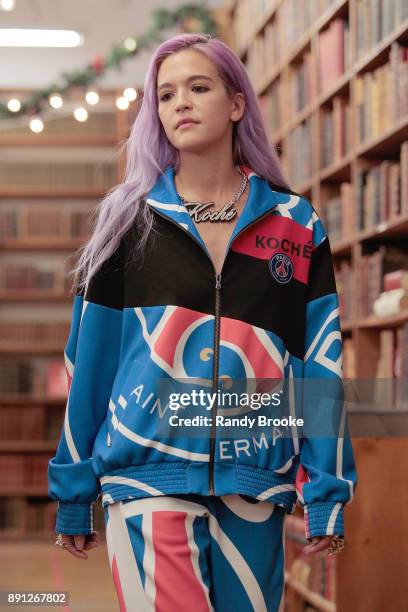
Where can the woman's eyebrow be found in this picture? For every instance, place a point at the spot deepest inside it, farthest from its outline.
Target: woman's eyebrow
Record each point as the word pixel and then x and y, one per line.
pixel 191 78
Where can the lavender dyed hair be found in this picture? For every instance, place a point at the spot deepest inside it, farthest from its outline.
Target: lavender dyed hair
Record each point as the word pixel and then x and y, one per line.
pixel 149 153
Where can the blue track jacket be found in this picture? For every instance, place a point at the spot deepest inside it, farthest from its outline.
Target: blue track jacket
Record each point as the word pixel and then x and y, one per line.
pixel 272 313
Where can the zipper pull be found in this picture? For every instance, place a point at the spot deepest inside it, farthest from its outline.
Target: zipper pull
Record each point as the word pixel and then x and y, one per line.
pixel 218 281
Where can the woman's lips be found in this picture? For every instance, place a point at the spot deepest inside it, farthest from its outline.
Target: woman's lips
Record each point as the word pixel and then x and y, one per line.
pixel 187 124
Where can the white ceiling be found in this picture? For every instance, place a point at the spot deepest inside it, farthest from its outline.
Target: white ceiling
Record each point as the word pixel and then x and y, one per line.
pixel 103 23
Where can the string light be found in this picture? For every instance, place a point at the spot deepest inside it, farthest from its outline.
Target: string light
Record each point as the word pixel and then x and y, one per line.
pixel 130 44
pixel 81 114
pixel 130 93
pixel 55 101
pixel 122 103
pixel 14 105
pixel 36 125
pixel 92 97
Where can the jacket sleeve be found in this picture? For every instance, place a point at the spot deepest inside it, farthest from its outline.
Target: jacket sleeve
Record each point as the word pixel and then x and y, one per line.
pixel 326 478
pixel 91 358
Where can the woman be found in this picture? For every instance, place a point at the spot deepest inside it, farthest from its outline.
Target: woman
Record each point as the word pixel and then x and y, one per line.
pixel 203 266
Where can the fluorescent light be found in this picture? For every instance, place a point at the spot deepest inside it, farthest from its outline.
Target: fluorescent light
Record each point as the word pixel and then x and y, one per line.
pixel 7 5
pixel 22 37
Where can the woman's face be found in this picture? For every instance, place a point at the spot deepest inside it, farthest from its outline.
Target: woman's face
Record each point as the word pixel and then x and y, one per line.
pixel 189 87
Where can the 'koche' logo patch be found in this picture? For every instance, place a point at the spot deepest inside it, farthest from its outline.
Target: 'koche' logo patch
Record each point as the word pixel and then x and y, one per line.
pixel 281 268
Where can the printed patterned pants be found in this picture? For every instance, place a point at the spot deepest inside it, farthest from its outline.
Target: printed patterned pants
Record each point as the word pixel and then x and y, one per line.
pixel 191 553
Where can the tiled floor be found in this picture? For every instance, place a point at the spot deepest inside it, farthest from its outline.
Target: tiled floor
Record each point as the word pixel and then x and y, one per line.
pixel 42 566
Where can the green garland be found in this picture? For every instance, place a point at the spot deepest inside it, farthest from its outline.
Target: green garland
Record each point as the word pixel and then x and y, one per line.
pixel 190 18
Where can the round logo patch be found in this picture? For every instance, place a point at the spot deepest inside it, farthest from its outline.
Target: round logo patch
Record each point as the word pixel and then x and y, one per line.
pixel 281 268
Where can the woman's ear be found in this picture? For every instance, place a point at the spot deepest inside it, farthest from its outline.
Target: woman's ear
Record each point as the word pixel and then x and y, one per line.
pixel 238 106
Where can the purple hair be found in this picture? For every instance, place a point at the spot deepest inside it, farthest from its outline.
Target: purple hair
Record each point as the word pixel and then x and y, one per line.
pixel 149 153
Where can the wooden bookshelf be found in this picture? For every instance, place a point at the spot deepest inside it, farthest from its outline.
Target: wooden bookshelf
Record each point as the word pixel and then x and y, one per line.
pixel 41 226
pixel 356 144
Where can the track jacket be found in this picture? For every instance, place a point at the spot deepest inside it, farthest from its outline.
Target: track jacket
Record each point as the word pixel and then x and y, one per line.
pixel 272 313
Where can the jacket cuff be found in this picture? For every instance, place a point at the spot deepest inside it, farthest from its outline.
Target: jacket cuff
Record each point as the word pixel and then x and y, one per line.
pixel 325 518
pixel 75 519
pixel 72 483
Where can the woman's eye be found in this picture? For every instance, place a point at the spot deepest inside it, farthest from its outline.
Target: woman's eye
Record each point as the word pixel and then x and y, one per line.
pixel 198 88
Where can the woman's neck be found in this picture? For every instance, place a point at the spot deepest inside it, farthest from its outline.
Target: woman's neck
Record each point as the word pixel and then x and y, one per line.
pixel 204 178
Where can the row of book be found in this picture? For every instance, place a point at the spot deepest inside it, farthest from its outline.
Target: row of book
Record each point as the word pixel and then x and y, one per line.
pixel 41 275
pixel 37 376
pixel 296 17
pixel 387 390
pixel 371 280
pixel 380 196
pixel 98 123
pixel 313 73
pixel 382 191
pixel 23 470
pixel 334 58
pixel 316 572
pixel 381 95
pixel 377 286
pixel 263 53
pixel 58 174
pixel 248 14
pixel 375 19
pixel 30 422
pixel 21 334
pixel 336 132
pixel 298 154
pixel 19 516
pixel 34 221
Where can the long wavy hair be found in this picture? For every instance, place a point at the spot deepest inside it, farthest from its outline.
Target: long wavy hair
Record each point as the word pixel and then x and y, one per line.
pixel 149 153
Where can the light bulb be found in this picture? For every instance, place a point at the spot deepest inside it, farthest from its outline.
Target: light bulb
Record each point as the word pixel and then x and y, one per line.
pixel 36 125
pixel 122 103
pixel 81 114
pixel 14 105
pixel 130 93
pixel 56 101
pixel 130 44
pixel 92 97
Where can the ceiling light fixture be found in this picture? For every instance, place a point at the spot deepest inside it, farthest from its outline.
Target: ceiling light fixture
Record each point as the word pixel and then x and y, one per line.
pixel 25 37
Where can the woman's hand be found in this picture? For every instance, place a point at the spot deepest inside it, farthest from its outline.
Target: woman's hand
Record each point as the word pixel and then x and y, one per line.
pixel 77 544
pixel 318 544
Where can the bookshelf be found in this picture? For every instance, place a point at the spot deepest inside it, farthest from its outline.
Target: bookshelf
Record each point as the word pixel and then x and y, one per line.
pixel 50 184
pixel 332 79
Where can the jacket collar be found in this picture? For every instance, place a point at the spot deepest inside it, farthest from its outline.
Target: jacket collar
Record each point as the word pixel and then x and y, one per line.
pixel 261 198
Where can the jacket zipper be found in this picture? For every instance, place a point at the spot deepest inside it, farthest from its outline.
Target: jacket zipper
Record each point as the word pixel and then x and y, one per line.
pixel 216 336
pixel 215 377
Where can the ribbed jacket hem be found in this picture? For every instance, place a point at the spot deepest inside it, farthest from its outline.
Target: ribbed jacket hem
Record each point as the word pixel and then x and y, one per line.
pixel 183 478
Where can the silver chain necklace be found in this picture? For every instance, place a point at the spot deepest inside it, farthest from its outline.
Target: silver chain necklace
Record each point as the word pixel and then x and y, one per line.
pixel 198 210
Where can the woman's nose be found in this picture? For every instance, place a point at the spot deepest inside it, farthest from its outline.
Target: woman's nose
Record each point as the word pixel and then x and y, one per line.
pixel 182 100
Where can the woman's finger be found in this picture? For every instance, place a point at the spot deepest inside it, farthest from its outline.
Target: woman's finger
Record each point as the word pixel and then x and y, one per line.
pixel 317 545
pixel 92 541
pixel 69 545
